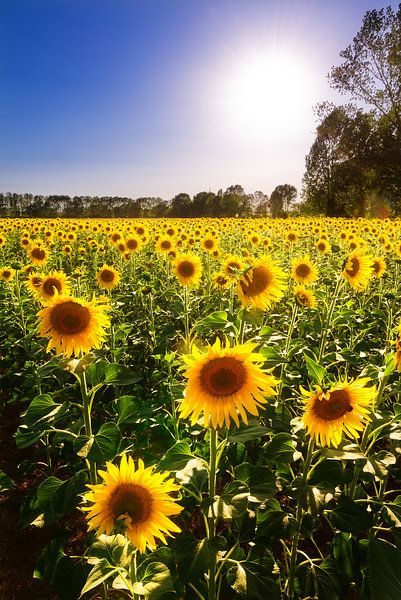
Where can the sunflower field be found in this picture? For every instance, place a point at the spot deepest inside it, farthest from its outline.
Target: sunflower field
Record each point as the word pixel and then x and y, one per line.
pixel 207 409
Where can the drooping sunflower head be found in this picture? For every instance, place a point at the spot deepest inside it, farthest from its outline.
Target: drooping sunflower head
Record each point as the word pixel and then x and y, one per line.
pixel 233 265
pixel 358 269
pixel 379 266
pixel 7 274
pixel 220 280
pixel 107 277
pixel 38 255
pixel 225 383
pixel 33 282
pixel 304 297
pixel 137 498
pixel 342 409
pixel 304 270
pixel 262 284
pixel 54 284
pixel 188 269
pixel 73 325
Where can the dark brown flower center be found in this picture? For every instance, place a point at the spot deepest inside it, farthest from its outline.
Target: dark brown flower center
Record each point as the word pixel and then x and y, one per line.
pixel 335 407
pixel 50 285
pixel 261 279
pixel 186 268
pixel 6 274
pixel 233 267
pixel 222 376
pixel 208 244
pixel 69 318
pixel 132 244
pixel 38 253
pixel 36 281
pixel 107 275
pixel 166 245
pixel 302 270
pixel 133 500
pixel 376 266
pixel 353 266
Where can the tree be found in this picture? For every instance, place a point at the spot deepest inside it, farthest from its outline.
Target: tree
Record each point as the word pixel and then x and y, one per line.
pixel 281 199
pixel 371 70
pixel 181 205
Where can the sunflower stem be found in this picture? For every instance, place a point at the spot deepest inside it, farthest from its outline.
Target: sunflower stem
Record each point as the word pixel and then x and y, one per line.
pixel 323 339
pixel 186 321
pixel 299 515
pixel 211 516
pixel 242 326
pixel 287 345
pixel 86 411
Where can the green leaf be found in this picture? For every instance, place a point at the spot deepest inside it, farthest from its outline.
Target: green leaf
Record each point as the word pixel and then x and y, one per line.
pixel 233 501
pixel 332 472
pixel 319 582
pixel 42 408
pixel 384 562
pixel 27 437
pixel 316 372
pixel 177 457
pixel 194 474
pixel 254 580
pixel 69 577
pixel 351 517
pixel 106 443
pixel 155 580
pixel 261 481
pixel 53 499
pixel 194 557
pixel 215 321
pixel 102 571
pixel 274 522
pixel 350 452
pixel 132 410
pixel 246 433
pixel 117 374
pixel 281 449
pixel 5 482
pixel 346 553
pixel 391 512
pixel 46 564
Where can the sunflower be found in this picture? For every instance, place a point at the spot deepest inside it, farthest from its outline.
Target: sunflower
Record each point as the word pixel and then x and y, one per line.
pixel 33 282
pixel 262 284
pixel 225 383
pixel 379 267
pixel 164 245
pixel 220 280
pixel 397 354
pixel 304 297
pixel 54 284
pixel 188 269
pixel 304 270
pixel 7 274
pixel 323 246
pixel 107 278
pixel 73 325
pixel 38 255
pixel 209 244
pixel 133 244
pixel 137 498
pixel 357 270
pixel 233 265
pixel 291 237
pixel 343 408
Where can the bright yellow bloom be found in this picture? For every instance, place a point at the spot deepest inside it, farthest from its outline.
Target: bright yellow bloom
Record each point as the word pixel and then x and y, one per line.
pixel 262 284
pixel 358 269
pixel 7 274
pixel 379 266
pixel 188 269
pixel 73 325
pixel 54 284
pixel 107 277
pixel 225 383
pixel 304 270
pixel 304 297
pixel 138 498
pixel 342 409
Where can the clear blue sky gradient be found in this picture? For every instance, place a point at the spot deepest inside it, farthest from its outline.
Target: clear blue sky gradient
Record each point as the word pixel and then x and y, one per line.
pixel 123 97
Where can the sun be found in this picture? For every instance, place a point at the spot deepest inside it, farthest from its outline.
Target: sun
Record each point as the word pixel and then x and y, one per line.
pixel 269 92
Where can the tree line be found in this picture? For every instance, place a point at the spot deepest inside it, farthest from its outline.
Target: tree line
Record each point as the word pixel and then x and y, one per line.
pixel 233 202
pixel 354 165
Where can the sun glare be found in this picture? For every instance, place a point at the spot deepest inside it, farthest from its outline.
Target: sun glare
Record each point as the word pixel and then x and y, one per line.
pixel 268 93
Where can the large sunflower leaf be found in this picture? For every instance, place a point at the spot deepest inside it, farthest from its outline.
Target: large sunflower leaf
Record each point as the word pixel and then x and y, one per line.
pixel 176 457
pixel 351 517
pixel 194 557
pixel 384 561
pixel 106 443
pixel 155 581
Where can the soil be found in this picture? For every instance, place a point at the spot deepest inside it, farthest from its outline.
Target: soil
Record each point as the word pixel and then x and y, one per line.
pixel 19 549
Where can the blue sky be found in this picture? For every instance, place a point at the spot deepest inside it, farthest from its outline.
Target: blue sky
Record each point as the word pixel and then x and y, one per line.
pixel 155 97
